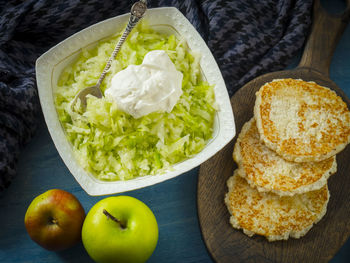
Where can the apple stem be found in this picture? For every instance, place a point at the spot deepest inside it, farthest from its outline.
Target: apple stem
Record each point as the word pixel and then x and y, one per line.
pixel 113 218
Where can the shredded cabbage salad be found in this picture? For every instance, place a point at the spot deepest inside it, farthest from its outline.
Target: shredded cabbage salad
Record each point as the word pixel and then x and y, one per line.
pixel 111 144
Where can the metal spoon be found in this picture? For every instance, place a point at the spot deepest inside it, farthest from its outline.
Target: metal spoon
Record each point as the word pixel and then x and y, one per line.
pixel 137 12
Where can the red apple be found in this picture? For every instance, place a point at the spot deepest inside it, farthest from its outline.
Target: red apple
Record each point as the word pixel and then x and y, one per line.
pixel 54 219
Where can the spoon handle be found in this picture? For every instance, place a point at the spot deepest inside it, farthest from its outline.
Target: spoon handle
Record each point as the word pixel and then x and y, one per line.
pixel 137 12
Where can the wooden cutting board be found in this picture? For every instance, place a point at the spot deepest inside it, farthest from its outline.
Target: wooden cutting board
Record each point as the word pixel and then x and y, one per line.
pixel 226 244
pixel 321 243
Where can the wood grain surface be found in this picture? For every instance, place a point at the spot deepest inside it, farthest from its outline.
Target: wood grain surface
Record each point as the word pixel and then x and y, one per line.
pixel 320 244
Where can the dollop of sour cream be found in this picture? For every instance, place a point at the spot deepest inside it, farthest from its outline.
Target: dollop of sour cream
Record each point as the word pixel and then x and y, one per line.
pixel 155 85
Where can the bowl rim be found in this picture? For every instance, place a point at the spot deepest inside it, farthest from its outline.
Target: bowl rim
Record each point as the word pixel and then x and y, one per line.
pixel 45 66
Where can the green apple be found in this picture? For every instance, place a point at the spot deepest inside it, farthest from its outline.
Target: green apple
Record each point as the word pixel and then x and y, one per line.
pixel 120 229
pixel 54 219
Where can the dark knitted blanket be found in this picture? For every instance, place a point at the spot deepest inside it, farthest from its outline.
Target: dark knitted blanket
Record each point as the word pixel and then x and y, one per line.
pixel 247 37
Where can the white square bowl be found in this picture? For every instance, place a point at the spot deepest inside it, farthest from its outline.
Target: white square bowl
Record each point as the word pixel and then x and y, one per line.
pixel 167 20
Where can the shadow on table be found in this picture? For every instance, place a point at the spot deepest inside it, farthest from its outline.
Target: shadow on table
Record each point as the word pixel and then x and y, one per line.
pixel 75 254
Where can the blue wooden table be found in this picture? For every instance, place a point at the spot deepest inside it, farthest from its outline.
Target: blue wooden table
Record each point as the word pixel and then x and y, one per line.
pixel 173 202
